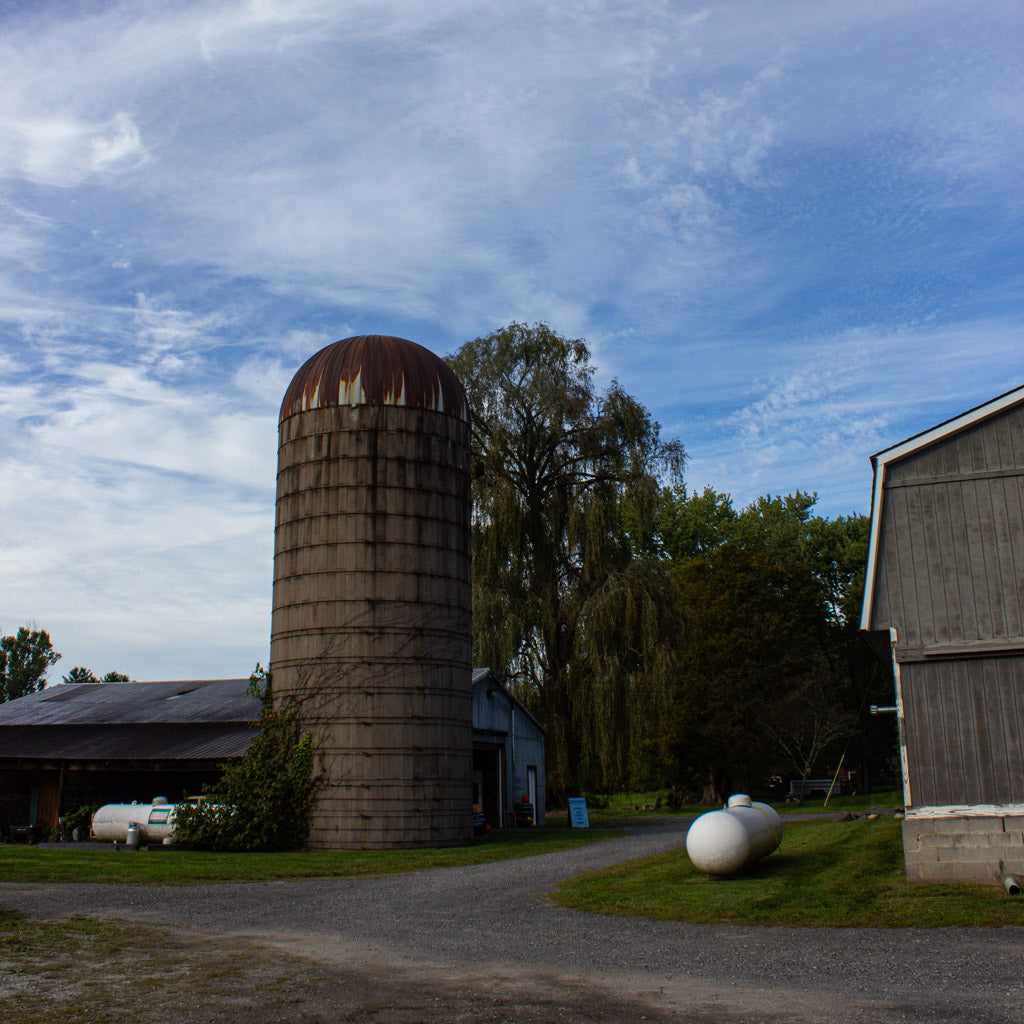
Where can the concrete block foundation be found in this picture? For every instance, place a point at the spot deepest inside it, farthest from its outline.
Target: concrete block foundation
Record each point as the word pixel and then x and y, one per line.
pixel 981 849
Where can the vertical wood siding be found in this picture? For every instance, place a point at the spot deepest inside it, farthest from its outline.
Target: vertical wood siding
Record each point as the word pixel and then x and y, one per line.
pixel 964 721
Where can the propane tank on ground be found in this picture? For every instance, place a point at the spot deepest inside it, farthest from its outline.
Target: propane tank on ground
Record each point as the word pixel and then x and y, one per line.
pixel 727 841
pixel 152 822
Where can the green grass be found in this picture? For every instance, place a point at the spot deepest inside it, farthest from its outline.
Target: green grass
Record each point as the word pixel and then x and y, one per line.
pixel 885 800
pixel 186 867
pixel 622 807
pixel 825 874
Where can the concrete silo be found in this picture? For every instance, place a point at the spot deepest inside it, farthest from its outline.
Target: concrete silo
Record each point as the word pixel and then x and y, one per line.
pixel 371 620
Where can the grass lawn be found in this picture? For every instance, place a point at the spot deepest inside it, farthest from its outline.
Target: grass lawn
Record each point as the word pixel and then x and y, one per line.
pixel 825 874
pixel 889 799
pixel 618 808
pixel 185 867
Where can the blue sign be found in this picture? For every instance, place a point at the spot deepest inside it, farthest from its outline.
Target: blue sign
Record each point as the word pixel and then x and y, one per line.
pixel 578 812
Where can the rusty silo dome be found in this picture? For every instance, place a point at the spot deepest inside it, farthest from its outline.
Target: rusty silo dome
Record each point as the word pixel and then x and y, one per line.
pixel 375 369
pixel 370 636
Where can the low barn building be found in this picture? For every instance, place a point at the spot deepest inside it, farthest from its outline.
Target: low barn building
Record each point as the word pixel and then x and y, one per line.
pixel 508 756
pixel 96 743
pixel 944 604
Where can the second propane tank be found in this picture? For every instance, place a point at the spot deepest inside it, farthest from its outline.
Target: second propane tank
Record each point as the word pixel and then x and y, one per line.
pixel 727 841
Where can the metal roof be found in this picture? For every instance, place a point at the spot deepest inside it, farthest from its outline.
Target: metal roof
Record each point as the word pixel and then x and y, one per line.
pixel 375 369
pixel 140 742
pixel 209 719
pixel 183 702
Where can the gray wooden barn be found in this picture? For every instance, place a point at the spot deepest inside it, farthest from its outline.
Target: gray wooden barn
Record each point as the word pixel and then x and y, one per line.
pixel 944 604
pixel 508 756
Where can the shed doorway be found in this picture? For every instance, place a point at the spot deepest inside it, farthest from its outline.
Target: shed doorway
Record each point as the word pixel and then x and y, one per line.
pixel 487 786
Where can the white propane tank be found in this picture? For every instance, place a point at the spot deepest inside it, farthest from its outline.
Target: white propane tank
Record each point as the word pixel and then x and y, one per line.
pixel 154 821
pixel 724 842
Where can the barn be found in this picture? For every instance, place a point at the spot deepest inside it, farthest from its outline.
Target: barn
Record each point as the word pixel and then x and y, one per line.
pixel 96 743
pixel 93 743
pixel 944 605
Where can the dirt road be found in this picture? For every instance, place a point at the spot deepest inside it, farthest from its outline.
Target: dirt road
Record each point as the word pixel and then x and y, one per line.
pixel 481 944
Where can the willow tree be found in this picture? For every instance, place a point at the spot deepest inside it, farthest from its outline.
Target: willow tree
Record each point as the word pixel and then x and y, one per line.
pixel 568 596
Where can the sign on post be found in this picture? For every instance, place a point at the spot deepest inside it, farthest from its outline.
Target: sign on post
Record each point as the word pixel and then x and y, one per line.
pixel 578 812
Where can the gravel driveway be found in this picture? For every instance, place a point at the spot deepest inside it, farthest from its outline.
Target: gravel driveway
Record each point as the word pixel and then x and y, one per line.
pixel 487 927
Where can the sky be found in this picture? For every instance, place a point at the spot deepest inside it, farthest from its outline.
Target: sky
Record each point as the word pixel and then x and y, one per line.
pixel 792 230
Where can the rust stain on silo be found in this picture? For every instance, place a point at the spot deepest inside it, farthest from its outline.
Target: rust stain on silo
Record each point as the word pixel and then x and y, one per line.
pixel 375 369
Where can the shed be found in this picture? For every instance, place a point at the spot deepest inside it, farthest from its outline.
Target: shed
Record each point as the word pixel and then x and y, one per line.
pixel 95 743
pixel 944 605
pixel 508 756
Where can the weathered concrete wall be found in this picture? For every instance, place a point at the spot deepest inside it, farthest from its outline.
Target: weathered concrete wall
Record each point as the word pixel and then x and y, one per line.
pixel 964 849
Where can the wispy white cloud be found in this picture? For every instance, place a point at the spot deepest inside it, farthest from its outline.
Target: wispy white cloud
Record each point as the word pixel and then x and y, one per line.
pixel 832 404
pixel 786 228
pixel 60 151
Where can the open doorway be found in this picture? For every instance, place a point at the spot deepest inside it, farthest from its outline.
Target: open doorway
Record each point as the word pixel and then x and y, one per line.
pixel 487 787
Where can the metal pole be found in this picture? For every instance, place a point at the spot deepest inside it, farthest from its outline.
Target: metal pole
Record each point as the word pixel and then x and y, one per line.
pixel 834 777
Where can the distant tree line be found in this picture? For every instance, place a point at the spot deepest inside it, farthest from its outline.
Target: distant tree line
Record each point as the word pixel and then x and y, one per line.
pixel 25 658
pixel 662 637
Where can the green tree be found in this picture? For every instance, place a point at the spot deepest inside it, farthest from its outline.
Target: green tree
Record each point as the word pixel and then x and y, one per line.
pixel 693 524
pixel 263 801
pixel 748 641
pixel 824 703
pixel 838 550
pixel 24 660
pixel 79 674
pixel 565 484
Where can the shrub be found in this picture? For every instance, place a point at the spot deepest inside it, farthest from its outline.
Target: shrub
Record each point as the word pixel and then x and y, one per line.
pixel 80 818
pixel 263 801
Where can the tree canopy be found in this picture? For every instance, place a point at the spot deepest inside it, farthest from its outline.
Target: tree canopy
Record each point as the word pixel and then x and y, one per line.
pixel 772 675
pixel 565 485
pixel 80 674
pixel 662 637
pixel 24 660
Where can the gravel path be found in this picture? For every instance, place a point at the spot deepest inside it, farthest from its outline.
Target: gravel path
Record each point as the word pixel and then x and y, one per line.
pixel 492 917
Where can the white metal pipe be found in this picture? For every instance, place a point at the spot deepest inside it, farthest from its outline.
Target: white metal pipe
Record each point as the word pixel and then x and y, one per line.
pixel 1011 883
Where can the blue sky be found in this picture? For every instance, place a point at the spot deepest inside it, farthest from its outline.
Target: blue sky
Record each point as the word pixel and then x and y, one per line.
pixel 792 230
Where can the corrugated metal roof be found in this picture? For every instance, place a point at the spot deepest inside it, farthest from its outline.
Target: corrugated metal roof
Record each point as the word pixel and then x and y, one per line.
pixel 182 701
pixel 375 369
pixel 140 742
